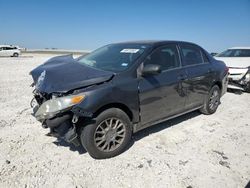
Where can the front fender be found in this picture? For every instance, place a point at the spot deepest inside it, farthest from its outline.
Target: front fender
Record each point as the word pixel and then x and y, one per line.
pixel 108 93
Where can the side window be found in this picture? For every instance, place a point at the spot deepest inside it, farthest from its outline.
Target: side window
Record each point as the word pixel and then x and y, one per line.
pixel 9 48
pixel 191 54
pixel 205 58
pixel 166 56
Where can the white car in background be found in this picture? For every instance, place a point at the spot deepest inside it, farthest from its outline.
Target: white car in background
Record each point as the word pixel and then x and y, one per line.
pixel 238 61
pixel 9 50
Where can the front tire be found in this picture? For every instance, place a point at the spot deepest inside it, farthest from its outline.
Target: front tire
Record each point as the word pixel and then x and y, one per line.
pixel 212 101
pixel 15 55
pixel 108 134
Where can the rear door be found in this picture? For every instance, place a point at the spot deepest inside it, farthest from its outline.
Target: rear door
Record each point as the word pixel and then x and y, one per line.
pixel 199 72
pixel 162 95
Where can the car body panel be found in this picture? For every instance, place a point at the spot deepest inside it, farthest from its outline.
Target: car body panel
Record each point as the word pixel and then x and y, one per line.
pixel 238 66
pixel 198 83
pixel 238 62
pixel 116 93
pixel 63 73
pixel 161 95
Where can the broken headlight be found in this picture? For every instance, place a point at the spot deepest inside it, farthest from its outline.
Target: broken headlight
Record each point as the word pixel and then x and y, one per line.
pixel 53 106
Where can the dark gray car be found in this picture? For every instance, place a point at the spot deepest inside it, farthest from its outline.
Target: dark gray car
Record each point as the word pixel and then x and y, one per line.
pixel 100 99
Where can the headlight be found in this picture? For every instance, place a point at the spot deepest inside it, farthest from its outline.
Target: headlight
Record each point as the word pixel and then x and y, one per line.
pixel 51 107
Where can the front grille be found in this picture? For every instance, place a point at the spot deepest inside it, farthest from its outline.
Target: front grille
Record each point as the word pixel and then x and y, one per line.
pixel 41 97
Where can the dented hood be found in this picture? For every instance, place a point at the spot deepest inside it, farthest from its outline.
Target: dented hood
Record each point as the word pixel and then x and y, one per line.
pixel 238 62
pixel 64 73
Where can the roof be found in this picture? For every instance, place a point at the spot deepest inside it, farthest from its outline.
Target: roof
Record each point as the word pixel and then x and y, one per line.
pixel 6 45
pixel 241 48
pixel 152 42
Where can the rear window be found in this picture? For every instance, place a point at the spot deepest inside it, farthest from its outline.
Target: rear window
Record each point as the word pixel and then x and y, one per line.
pixel 205 58
pixel 191 54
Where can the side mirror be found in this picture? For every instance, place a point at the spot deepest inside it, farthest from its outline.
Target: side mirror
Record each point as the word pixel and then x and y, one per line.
pixel 214 54
pixel 151 69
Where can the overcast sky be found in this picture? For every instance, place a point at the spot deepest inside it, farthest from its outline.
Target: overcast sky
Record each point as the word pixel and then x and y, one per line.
pixel 86 25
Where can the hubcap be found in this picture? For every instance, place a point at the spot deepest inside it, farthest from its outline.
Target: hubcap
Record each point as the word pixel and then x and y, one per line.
pixel 214 100
pixel 109 134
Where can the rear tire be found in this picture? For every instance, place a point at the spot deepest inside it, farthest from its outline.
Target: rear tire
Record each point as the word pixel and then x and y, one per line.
pixel 108 134
pixel 212 101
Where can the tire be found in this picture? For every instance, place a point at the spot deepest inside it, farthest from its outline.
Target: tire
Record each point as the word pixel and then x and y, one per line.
pixel 15 55
pixel 212 101
pixel 100 140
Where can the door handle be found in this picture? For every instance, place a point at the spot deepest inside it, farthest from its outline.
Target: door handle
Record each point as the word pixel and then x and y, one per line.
pixel 182 77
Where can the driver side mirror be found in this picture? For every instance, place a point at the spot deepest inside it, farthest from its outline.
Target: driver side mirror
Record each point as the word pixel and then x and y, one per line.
pixel 151 69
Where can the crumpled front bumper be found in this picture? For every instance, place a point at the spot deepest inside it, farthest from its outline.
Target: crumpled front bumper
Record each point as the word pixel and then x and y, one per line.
pixel 63 124
pixel 238 78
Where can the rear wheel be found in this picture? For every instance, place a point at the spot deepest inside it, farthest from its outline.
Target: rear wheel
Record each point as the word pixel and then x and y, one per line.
pixel 108 135
pixel 212 101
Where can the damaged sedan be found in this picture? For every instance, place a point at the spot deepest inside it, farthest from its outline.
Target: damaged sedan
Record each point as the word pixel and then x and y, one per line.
pixel 238 61
pixel 101 99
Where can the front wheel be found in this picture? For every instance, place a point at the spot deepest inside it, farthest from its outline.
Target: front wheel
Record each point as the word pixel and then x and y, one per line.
pixel 108 135
pixel 212 101
pixel 15 55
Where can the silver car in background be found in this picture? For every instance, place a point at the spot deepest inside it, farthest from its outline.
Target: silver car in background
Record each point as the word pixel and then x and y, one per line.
pixel 238 61
pixel 9 51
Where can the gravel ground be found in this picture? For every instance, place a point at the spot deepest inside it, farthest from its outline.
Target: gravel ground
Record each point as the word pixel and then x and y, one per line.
pixel 190 151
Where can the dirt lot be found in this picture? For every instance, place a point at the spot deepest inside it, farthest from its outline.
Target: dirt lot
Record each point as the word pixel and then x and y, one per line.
pixel 191 151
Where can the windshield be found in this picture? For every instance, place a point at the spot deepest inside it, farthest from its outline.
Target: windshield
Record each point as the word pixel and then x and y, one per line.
pixel 114 57
pixel 235 53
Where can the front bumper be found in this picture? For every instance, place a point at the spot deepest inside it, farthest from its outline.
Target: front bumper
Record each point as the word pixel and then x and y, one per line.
pixel 63 124
pixel 224 85
pixel 238 78
pixel 64 127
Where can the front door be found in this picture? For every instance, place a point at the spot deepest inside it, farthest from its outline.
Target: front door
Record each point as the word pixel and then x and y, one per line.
pixel 162 95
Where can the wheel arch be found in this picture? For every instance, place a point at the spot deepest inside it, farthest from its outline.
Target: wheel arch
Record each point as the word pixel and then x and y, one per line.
pixel 15 54
pixel 120 106
pixel 218 83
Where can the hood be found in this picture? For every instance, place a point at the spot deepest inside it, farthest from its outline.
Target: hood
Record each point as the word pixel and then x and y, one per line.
pixel 63 73
pixel 238 62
